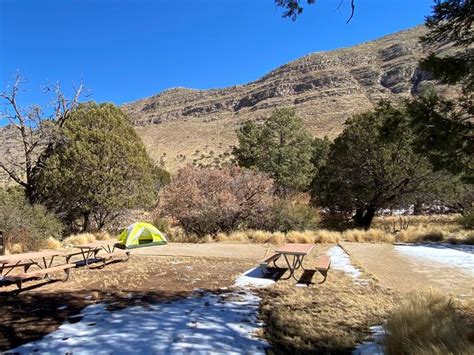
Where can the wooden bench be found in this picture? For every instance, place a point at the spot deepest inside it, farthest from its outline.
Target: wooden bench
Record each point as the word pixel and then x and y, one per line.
pixel 274 257
pixel 323 263
pixel 19 278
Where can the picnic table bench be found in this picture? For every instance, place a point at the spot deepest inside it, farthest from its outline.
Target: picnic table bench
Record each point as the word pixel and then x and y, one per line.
pixel 90 252
pixel 298 252
pixel 43 260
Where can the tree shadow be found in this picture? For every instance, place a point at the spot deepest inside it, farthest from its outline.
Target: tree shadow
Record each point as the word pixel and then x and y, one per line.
pixel 147 322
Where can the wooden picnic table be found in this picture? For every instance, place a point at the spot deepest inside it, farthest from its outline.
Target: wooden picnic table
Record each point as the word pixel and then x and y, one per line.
pixel 298 252
pixel 26 260
pixel 90 251
pixel 42 259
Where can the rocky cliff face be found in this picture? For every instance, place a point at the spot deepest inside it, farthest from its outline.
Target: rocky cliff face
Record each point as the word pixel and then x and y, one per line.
pixel 325 88
pixel 385 68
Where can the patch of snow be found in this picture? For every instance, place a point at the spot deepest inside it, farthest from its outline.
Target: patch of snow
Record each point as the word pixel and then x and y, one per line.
pixel 224 323
pixel 440 254
pixel 253 278
pixel 374 347
pixel 341 261
pixel 462 247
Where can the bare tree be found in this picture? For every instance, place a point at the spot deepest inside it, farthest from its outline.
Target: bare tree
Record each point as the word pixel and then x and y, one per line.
pixel 34 132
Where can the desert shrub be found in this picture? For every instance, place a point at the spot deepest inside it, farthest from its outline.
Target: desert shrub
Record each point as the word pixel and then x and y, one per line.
pixel 429 323
pixel 209 201
pixel 27 227
pixel 162 224
pixel 467 221
pixel 286 216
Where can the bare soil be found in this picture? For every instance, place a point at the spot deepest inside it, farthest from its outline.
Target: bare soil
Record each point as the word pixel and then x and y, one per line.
pixel 405 274
pixel 43 306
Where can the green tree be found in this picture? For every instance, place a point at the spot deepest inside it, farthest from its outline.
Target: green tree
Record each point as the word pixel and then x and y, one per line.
pixel 444 129
pixel 451 23
pixel 445 126
pixel 100 168
pixel 371 167
pixel 34 130
pixel 320 152
pixel 280 147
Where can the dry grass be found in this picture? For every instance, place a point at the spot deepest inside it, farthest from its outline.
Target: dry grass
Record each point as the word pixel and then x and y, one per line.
pixel 53 244
pixel 85 238
pixel 373 235
pixel 430 323
pixel 332 317
pixel 408 229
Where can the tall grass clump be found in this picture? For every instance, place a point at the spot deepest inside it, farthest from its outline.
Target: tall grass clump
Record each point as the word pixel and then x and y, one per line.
pixel 85 238
pixel 429 323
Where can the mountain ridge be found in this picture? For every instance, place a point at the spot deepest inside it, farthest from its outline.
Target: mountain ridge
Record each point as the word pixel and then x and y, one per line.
pixel 185 125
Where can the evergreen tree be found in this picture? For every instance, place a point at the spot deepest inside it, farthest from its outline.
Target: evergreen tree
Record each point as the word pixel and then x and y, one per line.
pixel 280 146
pixel 373 165
pixel 99 168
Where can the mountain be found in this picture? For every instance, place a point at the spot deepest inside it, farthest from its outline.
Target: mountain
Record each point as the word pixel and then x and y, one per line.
pixel 182 125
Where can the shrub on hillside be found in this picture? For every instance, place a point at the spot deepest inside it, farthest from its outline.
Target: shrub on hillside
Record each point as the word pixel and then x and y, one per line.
pixel 210 201
pixel 27 227
pixel 286 216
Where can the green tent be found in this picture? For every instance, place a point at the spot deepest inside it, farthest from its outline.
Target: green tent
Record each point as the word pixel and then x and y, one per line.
pixel 141 234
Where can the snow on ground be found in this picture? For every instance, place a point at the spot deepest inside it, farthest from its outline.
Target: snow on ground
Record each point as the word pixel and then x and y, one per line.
pixel 253 278
pixel 374 347
pixel 204 323
pixel 440 254
pixel 341 261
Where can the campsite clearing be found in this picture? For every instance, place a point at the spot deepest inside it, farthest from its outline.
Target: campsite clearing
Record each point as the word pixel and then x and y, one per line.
pixel 337 314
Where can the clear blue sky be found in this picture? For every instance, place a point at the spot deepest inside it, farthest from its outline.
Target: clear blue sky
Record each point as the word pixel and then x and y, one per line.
pixel 129 49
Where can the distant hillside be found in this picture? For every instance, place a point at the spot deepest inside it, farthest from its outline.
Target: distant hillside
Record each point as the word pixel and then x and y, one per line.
pixel 182 126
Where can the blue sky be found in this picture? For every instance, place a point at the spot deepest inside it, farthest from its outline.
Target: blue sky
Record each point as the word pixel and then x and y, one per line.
pixel 124 50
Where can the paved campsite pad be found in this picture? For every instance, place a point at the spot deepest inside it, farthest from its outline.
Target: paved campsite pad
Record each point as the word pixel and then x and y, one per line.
pixel 405 273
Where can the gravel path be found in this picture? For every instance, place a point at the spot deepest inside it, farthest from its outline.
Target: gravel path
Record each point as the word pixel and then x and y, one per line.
pixel 407 273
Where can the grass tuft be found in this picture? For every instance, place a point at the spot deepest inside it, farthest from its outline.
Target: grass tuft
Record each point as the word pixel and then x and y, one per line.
pixel 429 323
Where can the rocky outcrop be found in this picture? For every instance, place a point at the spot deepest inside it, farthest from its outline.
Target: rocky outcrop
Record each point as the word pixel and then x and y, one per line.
pixel 362 75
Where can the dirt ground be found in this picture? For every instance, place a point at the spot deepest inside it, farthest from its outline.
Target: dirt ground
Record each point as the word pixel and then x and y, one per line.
pixel 164 273
pixel 406 274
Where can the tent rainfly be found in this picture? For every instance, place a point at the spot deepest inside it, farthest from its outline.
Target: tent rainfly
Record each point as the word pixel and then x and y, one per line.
pixel 141 234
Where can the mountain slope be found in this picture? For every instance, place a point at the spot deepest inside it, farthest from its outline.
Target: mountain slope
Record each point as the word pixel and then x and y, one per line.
pixel 182 126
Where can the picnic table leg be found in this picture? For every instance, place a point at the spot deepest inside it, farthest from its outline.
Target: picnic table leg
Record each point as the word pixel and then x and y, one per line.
pixel 10 268
pixel 291 266
pixel 300 262
pixel 47 267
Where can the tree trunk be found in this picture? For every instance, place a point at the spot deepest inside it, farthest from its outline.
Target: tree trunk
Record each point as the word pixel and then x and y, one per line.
pixel 364 216
pixel 368 217
pixel 87 221
pixel 417 208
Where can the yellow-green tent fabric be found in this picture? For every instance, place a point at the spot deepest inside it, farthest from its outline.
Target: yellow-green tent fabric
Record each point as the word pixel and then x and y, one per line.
pixel 141 234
